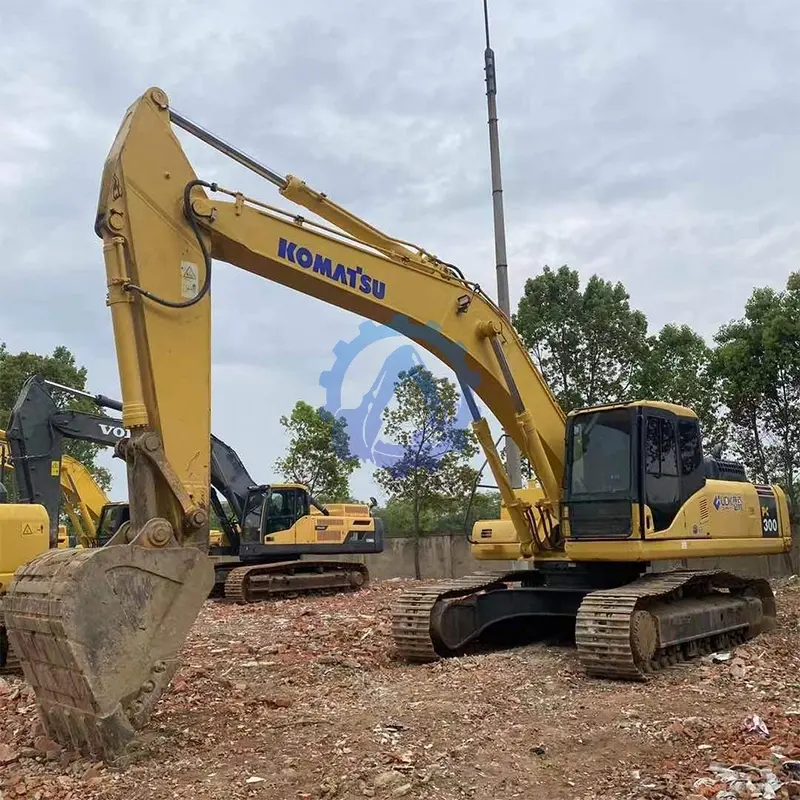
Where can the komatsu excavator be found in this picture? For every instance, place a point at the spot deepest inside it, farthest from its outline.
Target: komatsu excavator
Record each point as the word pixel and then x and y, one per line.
pixel 619 486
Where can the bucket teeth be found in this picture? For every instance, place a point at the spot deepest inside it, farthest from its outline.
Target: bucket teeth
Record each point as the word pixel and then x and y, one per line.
pixel 97 634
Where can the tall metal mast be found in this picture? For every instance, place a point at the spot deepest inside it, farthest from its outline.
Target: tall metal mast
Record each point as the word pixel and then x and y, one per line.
pixel 512 451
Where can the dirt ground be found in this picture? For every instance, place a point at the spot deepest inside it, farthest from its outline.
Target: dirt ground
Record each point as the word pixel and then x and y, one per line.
pixel 300 698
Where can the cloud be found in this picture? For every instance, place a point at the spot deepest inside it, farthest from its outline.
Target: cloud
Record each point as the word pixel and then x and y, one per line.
pixel 652 143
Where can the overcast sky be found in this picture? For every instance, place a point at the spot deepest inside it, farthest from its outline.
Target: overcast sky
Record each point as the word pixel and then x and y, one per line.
pixel 654 143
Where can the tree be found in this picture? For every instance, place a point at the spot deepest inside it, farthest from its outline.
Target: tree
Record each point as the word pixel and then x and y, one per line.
pixel 432 474
pixel 318 454
pixel 397 514
pixel 758 362
pixel 485 505
pixel 588 344
pixel 59 367
pixel 677 368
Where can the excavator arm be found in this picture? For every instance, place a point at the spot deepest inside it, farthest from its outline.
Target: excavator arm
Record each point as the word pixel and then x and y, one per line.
pixel 98 676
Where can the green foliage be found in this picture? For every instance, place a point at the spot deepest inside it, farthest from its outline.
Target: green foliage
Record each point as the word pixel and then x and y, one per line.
pixel 398 515
pixel 588 344
pixel 677 368
pixel 433 475
pixel 592 348
pixel 758 362
pixel 60 367
pixel 318 454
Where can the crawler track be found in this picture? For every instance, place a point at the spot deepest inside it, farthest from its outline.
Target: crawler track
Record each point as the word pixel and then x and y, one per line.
pixel 257 582
pixel 412 612
pixel 623 633
pixel 620 633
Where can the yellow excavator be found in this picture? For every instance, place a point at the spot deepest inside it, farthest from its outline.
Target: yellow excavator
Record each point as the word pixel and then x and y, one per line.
pixel 618 487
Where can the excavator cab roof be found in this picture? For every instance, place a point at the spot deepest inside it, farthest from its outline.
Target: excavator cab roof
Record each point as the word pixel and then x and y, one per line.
pixel 680 411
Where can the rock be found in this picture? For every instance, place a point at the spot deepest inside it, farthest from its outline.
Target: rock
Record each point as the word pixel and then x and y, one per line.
pixel 276 701
pixel 386 779
pixel 8 755
pixel 401 791
pixel 45 746
pixel 254 779
pixel 92 771
pixel 289 773
pixel 738 668
pixel 675 729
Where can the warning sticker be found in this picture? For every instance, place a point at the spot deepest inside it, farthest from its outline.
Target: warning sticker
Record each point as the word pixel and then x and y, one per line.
pixel 27 531
pixel 189 283
pixel 55 469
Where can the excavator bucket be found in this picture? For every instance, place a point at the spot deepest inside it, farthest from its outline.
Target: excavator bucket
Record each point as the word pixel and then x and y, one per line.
pixel 98 632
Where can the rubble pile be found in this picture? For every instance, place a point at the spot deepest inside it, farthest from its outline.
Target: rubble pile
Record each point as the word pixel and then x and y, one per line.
pixel 301 698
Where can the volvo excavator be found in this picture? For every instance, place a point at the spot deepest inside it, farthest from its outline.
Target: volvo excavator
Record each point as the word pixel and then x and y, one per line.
pixel 618 487
pixel 249 566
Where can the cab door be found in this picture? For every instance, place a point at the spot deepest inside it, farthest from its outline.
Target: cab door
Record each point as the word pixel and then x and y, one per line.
pixel 283 508
pixel 662 483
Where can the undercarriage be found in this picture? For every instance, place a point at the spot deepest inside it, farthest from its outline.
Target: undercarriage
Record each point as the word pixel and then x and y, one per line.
pixel 626 624
pixel 256 582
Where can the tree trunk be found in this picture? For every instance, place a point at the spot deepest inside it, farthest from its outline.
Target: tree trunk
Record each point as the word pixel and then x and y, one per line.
pixel 417 531
pixel 762 462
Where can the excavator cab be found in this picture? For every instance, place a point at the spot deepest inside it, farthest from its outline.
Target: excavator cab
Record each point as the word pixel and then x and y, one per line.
pixel 112 518
pixel 283 507
pixel 632 468
pixel 271 510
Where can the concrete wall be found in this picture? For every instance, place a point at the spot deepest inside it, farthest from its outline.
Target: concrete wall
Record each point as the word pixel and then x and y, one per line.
pixel 440 556
pixel 448 556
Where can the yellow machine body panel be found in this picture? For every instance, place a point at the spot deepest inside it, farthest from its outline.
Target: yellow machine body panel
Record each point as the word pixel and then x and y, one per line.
pixel 725 518
pixel 24 534
pixel 63 536
pixel 316 528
